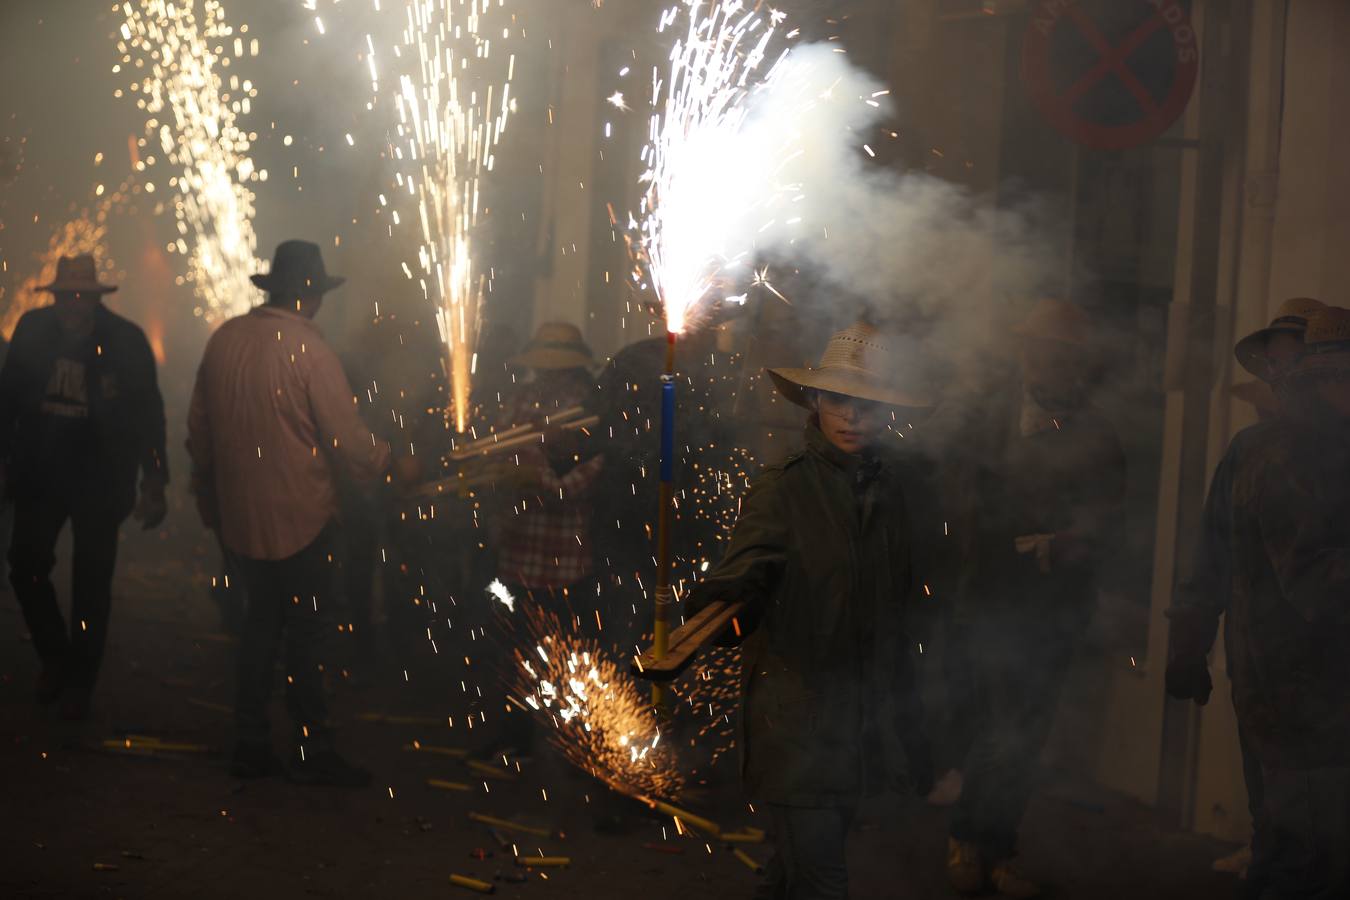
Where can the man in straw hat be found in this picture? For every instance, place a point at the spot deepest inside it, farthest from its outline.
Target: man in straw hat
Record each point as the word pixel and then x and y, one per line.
pixel 544 548
pixel 1204 596
pixel 1038 488
pixel 822 555
pixel 1288 612
pixel 80 415
pixel 272 417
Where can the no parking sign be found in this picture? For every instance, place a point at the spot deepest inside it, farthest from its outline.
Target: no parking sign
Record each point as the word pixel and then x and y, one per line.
pixel 1110 74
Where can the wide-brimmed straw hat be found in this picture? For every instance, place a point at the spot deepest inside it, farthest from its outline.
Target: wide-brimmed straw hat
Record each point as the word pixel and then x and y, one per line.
pixel 297 271
pixel 555 345
pixel 1291 318
pixel 1056 320
pixel 77 275
pixel 1326 343
pixel 857 362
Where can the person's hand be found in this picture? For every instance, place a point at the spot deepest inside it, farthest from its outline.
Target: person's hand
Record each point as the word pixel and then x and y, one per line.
pixel 407 471
pixel 1189 637
pixel 1189 680
pixel 151 507
pixel 208 507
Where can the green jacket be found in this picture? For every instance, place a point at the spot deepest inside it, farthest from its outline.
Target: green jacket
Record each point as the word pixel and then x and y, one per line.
pixel 822 555
pixel 1289 608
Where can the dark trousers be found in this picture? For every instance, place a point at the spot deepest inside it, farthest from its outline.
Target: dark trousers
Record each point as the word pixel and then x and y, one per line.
pixel 1019 665
pixel 1305 852
pixel 809 860
pixel 1256 793
pixel 74 653
pixel 288 600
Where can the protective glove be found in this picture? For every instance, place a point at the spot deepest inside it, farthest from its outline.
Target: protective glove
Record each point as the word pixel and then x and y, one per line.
pixel 1190 636
pixel 151 507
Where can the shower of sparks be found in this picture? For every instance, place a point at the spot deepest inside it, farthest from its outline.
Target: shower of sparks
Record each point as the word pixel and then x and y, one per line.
pixel 602 720
pixel 453 101
pixel 710 187
pixel 177 61
pixel 87 232
pixel 84 234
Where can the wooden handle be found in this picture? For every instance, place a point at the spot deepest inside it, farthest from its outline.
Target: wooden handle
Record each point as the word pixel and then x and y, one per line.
pixel 686 641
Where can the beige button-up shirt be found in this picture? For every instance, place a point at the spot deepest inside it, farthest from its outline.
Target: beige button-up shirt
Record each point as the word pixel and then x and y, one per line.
pixel 272 414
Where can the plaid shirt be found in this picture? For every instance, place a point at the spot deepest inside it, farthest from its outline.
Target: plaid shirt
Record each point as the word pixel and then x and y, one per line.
pixel 546 538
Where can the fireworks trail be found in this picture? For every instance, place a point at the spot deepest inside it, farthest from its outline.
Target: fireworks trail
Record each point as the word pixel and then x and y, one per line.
pixel 602 722
pixel 452 102
pixel 712 184
pixel 176 60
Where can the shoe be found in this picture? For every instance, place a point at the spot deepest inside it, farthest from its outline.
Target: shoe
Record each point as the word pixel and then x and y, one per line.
pixel 947 790
pixel 1235 863
pixel 325 767
pixel 75 706
pixel 1009 881
pixel 50 684
pixel 255 762
pixel 965 870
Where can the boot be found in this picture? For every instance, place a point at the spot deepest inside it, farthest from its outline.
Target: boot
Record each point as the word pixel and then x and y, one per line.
pixel 1009 881
pixel 965 870
pixel 50 684
pixel 252 761
pixel 325 767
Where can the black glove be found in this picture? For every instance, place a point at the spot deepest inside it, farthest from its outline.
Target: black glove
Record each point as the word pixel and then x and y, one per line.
pixel 1189 638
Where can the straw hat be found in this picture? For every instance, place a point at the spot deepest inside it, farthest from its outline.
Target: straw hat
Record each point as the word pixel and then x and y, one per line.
pixel 1326 344
pixel 556 345
pixel 1056 320
pixel 1290 318
pixel 77 275
pixel 297 271
pixel 857 362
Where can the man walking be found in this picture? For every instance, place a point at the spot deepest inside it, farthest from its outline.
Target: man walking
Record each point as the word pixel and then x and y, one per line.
pixel 272 416
pixel 1288 619
pixel 80 415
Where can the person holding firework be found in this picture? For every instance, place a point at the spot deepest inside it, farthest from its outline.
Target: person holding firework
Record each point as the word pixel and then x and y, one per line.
pixel 823 558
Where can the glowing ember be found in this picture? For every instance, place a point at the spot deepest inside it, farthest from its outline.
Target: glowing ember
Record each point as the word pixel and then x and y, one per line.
pixel 178 62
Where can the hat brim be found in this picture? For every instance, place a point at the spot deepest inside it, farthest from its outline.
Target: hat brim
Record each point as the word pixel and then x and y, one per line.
pixel 794 383
pixel 1251 350
pixel 77 287
pixel 549 358
pixel 281 286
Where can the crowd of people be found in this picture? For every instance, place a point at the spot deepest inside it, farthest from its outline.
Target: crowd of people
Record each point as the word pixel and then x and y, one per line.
pixel 1008 510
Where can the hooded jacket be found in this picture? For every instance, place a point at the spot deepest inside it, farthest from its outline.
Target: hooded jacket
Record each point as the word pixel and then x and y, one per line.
pixel 823 555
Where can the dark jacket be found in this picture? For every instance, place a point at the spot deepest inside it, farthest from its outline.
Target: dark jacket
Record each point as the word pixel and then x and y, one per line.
pixel 1290 603
pixel 1066 480
pixel 115 429
pixel 822 553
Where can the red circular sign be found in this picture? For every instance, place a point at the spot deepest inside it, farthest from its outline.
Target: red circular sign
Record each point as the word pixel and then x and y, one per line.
pixel 1144 51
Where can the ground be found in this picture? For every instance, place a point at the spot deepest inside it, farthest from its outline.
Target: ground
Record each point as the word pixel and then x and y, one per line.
pixel 88 819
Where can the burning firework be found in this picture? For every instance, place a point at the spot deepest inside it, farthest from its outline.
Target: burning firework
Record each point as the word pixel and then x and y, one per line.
pixel 452 102
pixel 712 184
pixel 177 62
pixel 601 721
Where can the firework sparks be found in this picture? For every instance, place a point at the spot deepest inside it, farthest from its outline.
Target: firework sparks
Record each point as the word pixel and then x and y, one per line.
pixel 178 62
pixel 602 722
pixel 712 184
